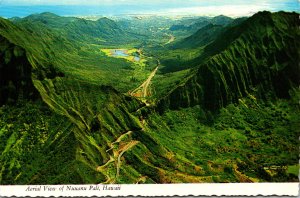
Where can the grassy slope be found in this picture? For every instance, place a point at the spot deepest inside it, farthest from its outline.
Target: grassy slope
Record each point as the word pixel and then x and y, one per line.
pixel 81 59
pixel 249 135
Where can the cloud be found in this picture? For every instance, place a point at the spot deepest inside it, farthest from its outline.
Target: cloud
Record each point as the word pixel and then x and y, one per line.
pixel 228 10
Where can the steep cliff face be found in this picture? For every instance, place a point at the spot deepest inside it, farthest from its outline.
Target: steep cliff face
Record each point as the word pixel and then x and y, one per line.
pixel 189 93
pixel 15 74
pixel 112 137
pixel 74 131
pixel 23 57
pixel 202 37
pixel 259 57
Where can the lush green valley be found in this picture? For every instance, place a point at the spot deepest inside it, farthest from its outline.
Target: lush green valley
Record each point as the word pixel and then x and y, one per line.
pixel 149 100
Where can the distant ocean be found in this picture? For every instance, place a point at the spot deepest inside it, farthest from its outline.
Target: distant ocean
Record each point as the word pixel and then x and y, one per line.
pixel 72 10
pixel 8 11
pixel 81 10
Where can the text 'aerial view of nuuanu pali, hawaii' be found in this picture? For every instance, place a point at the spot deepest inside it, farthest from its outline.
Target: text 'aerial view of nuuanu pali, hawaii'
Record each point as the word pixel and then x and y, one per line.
pixel 149 91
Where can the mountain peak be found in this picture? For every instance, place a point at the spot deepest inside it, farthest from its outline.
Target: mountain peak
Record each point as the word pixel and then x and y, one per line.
pixel 42 15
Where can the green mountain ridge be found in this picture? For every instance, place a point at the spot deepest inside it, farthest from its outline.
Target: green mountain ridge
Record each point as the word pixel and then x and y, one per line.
pixel 205 35
pixel 243 67
pixel 20 62
pixel 202 37
pixel 202 22
pixel 102 31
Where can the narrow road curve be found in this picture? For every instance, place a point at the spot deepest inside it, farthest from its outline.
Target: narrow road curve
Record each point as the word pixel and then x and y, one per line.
pixel 116 155
pixel 126 148
pixel 241 176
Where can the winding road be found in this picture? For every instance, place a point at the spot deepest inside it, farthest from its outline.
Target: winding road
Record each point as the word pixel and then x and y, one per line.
pixel 143 89
pixel 124 149
pixel 172 38
pixel 117 154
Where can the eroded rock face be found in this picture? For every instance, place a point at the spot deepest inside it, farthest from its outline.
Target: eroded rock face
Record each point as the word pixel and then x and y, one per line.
pixel 15 74
pixel 185 95
pixel 261 60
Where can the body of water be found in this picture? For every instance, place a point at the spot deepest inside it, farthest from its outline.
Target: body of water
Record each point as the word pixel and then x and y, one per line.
pixel 119 53
pixel 136 58
pixel 123 53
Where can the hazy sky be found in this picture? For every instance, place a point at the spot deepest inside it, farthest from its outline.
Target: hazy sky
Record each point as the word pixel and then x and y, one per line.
pixel 112 2
pixel 232 8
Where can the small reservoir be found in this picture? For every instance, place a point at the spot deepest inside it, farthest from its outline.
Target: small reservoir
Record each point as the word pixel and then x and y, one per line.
pixel 124 53
pixel 119 52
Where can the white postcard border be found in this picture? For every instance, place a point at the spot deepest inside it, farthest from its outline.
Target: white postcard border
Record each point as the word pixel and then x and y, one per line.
pixel 101 190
